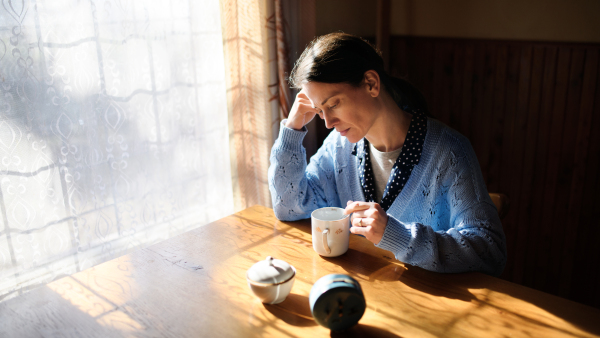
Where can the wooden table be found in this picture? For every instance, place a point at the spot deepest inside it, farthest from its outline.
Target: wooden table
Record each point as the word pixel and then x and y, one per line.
pixel 194 285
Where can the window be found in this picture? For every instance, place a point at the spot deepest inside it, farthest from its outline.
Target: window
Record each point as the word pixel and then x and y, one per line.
pixel 113 131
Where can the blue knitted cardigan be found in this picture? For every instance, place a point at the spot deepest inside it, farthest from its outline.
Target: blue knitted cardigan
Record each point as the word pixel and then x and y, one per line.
pixel 443 220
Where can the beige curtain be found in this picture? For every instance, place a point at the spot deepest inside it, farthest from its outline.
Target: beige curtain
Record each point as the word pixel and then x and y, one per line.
pixel 281 30
pixel 249 42
pixel 259 40
pixel 246 53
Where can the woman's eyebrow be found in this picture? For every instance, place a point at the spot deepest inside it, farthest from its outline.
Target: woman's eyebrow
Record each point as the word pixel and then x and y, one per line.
pixel 332 95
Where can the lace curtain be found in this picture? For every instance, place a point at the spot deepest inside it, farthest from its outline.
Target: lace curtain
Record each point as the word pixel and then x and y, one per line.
pixel 113 131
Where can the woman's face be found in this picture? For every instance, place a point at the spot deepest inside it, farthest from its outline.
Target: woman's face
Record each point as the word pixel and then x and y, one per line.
pixel 350 110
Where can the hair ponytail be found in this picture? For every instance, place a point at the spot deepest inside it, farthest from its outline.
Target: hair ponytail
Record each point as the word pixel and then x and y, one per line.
pixel 407 96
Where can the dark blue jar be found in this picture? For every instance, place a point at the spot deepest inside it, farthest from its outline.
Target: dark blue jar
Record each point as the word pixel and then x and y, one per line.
pixel 337 302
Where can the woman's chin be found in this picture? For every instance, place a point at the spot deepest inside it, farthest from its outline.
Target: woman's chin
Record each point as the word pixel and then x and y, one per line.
pixel 350 135
pixel 352 138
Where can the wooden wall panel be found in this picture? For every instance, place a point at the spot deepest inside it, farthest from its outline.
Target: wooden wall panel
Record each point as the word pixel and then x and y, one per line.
pixel 530 110
pixel 553 199
pixel 588 234
pixel 588 79
pixel 543 235
pixel 530 173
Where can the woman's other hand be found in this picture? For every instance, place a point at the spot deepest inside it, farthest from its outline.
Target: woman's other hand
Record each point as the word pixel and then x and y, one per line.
pixel 368 219
pixel 301 113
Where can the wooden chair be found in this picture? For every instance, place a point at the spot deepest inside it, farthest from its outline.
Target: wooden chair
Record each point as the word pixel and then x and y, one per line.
pixel 501 202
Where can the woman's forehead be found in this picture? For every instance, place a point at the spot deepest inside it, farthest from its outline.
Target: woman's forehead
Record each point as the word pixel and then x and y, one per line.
pixel 319 93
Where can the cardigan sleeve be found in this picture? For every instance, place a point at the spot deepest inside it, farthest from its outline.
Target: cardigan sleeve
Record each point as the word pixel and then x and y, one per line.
pixel 297 189
pixel 472 241
pixel 472 244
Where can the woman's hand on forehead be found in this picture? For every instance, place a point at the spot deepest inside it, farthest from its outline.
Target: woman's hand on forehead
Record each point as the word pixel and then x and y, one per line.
pixel 302 112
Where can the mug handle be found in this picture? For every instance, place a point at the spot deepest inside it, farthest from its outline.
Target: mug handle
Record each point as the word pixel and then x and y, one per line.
pixel 327 249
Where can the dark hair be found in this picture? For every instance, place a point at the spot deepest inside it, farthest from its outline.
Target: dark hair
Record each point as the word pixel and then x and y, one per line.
pixel 344 58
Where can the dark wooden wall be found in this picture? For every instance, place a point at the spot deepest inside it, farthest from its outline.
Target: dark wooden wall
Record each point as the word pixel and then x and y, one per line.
pixel 532 113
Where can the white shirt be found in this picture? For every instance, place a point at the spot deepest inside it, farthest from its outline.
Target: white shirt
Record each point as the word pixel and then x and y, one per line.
pixel 382 164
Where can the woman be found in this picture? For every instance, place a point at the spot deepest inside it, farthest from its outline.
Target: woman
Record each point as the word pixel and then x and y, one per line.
pixel 412 184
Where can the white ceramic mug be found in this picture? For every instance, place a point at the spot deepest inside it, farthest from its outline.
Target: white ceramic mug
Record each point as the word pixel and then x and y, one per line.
pixel 330 231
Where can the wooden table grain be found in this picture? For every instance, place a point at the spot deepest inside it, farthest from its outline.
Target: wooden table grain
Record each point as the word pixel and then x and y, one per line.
pixel 194 285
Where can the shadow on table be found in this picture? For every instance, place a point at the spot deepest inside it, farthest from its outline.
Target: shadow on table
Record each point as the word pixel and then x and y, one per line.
pixel 72 317
pixel 452 284
pixel 463 281
pixel 294 310
pixel 457 286
pixel 362 331
pixel 387 270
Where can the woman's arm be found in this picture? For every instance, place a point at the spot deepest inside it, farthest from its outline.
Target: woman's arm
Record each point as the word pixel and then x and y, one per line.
pixel 475 243
pixel 298 189
pixel 469 234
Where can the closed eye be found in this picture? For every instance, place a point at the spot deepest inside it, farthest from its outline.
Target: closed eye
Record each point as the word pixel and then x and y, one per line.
pixel 337 102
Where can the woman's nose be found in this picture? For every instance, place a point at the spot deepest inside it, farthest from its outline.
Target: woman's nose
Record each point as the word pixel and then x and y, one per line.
pixel 330 121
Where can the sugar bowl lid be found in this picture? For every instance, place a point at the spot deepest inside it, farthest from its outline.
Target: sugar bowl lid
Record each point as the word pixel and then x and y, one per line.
pixel 270 271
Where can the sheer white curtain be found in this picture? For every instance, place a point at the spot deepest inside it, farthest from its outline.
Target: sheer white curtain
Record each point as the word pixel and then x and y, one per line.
pixel 113 131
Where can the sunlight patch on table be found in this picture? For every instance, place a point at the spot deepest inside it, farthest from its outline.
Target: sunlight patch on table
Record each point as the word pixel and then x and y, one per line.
pixel 107 312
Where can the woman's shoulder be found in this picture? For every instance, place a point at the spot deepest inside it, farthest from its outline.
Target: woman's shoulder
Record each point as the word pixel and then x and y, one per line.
pixel 446 147
pixel 454 157
pixel 445 139
pixel 445 132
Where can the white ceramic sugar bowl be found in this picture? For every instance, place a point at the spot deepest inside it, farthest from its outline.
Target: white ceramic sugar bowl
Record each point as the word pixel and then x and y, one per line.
pixel 271 280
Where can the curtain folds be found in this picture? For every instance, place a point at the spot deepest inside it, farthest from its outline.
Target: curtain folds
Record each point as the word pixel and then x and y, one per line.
pixel 283 62
pixel 257 94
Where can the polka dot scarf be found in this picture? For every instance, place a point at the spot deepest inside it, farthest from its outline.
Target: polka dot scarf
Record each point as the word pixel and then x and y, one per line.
pixel 408 158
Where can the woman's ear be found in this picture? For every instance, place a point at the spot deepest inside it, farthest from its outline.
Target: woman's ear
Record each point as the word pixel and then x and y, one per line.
pixel 372 82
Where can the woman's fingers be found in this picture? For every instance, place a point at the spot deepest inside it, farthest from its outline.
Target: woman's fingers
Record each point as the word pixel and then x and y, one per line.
pixel 356 206
pixel 361 221
pixel 365 231
pixel 302 112
pixel 302 95
pixel 306 102
pixel 360 213
pixel 368 219
pixel 372 213
pixel 363 209
pixel 307 106
pixel 304 99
